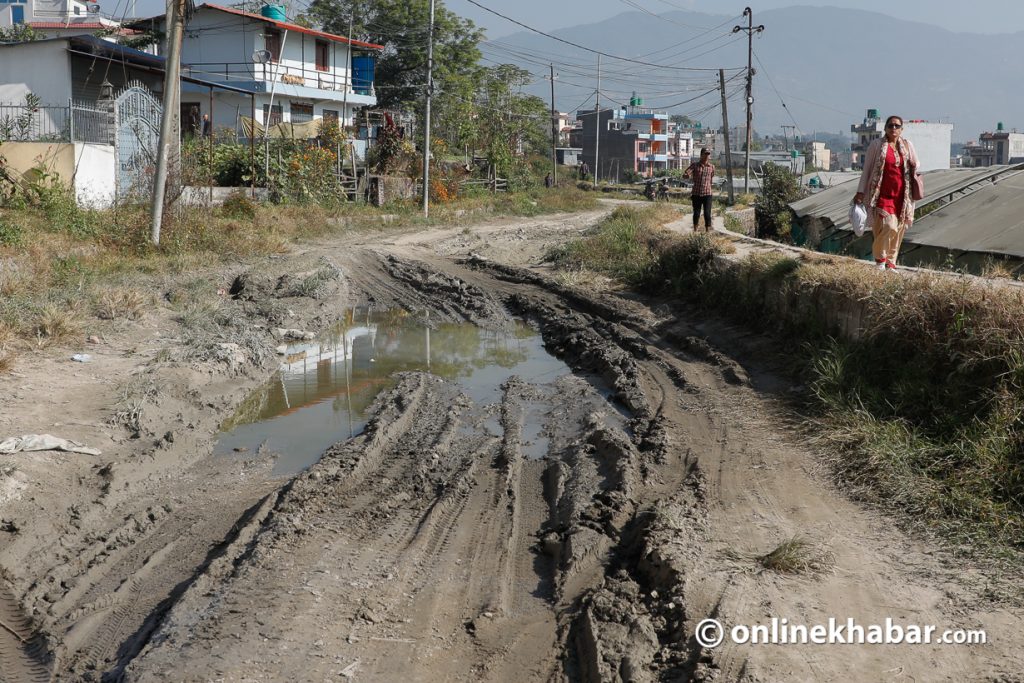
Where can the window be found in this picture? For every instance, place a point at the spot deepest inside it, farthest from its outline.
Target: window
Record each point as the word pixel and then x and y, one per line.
pixel 301 112
pixel 331 115
pixel 323 56
pixel 272 118
pixel 272 42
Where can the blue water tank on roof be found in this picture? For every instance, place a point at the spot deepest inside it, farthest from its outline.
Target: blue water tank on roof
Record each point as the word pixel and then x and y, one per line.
pixel 275 12
pixel 362 74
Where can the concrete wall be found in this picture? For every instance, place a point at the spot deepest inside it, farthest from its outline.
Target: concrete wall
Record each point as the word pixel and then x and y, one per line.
pixel 213 37
pixel 40 68
pixel 31 160
pixel 85 168
pixel 933 142
pixel 94 178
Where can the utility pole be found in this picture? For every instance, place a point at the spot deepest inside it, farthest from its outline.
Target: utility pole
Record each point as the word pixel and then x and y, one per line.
pixel 426 128
pixel 597 126
pixel 554 129
pixel 725 128
pixel 751 30
pixel 175 29
pixel 786 135
pixel 270 110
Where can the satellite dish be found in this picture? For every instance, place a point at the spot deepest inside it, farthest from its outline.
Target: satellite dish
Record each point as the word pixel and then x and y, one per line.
pixel 261 56
pixel 93 9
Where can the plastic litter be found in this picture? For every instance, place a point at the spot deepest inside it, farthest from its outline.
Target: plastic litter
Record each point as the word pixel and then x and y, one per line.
pixel 81 358
pixel 44 442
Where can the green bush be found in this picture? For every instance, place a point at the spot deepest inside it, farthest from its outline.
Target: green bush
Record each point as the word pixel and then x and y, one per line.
pixel 11 234
pixel 779 188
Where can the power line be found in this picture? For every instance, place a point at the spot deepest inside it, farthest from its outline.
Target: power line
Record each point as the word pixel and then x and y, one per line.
pixel 583 47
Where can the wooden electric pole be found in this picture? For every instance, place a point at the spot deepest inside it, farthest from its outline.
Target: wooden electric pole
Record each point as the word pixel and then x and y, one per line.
pixel 751 30
pixel 426 127
pixel 554 130
pixel 168 131
pixel 725 128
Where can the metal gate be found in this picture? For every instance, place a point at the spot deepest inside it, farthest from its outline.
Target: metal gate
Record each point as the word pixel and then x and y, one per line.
pixel 137 122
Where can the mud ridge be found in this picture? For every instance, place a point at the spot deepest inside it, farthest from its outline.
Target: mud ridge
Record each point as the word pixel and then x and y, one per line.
pixel 24 652
pixel 455 299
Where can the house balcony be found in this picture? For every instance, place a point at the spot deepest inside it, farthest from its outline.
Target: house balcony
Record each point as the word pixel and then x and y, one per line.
pixel 653 137
pixel 655 158
pixel 284 79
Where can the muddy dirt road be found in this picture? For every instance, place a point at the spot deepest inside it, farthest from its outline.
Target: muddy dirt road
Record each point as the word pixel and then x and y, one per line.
pixel 572 517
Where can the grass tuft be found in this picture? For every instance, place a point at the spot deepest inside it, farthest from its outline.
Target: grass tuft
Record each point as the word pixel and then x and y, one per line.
pixel 121 303
pixel 797 556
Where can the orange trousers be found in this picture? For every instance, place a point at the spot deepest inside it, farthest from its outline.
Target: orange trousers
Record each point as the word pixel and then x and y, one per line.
pixel 888 236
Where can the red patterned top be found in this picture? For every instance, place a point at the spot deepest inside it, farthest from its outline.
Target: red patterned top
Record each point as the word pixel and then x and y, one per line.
pixel 890 195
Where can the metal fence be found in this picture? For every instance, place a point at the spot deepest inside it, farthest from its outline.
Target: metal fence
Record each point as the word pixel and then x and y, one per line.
pixel 73 122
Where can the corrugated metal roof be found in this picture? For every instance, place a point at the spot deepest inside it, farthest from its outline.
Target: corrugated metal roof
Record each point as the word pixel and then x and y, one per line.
pixel 833 205
pixel 990 220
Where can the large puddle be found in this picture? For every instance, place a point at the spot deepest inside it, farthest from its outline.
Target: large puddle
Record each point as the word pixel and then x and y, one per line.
pixel 323 388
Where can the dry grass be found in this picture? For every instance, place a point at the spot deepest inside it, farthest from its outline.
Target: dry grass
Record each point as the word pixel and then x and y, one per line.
pixel 999 270
pixel 56 324
pixel 121 303
pixel 798 556
pixel 134 396
pixel 6 359
pixel 584 278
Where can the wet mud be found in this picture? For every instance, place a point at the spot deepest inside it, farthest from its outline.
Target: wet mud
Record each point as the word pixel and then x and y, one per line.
pixel 492 476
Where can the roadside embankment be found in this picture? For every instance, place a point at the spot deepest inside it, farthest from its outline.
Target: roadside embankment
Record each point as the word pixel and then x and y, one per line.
pixel 914 381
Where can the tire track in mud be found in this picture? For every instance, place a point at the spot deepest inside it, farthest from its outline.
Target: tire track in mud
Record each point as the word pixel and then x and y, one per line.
pixel 464 555
pixel 24 655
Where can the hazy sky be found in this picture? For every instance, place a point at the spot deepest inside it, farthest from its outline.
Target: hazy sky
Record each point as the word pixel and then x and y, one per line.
pixel 976 16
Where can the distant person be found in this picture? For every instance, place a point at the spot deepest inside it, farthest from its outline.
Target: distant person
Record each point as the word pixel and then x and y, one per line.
pixel 548 181
pixel 663 190
pixel 889 163
pixel 702 173
pixel 584 171
pixel 207 126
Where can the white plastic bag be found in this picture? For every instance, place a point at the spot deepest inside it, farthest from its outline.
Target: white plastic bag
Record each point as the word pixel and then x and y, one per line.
pixel 858 218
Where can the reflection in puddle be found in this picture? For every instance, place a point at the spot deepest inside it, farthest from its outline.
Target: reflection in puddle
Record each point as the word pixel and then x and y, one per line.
pixel 323 389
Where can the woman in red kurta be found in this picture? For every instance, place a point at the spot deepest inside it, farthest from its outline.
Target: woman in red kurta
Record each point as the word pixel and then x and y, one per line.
pixel 885 182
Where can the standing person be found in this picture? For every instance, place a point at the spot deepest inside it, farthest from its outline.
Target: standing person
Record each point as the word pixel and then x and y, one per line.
pixel 207 128
pixel 584 171
pixel 885 184
pixel 548 182
pixel 702 173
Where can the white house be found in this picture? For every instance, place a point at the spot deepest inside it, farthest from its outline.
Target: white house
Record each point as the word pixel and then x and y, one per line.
pixel 279 71
pixel 57 18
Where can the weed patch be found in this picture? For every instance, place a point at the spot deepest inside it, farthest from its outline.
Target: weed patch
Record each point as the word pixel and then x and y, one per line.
pixel 797 556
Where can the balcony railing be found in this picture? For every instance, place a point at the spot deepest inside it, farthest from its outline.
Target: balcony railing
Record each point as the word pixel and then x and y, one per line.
pixel 238 72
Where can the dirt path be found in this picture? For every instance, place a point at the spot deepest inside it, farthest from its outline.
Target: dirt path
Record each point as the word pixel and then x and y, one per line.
pixel 434 545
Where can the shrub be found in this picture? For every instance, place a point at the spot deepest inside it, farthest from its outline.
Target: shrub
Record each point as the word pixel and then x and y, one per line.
pixel 779 188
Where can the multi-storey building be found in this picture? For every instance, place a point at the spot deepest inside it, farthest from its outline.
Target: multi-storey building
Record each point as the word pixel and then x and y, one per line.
pixel 57 18
pixel 633 138
pixel 1000 147
pixel 932 141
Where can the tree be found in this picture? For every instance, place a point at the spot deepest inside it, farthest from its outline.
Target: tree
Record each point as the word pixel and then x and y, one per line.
pixel 779 188
pixel 509 123
pixel 20 33
pixel 401 26
pixel 681 120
